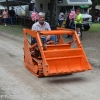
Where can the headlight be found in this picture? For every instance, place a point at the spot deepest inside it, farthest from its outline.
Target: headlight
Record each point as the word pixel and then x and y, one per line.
pixel 90 18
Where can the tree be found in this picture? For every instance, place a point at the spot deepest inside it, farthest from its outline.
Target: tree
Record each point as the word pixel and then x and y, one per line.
pixel 98 2
pixel 7 5
pixel 94 3
pixel 52 11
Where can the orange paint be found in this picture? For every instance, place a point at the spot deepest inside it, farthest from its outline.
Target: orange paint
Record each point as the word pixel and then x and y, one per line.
pixel 55 59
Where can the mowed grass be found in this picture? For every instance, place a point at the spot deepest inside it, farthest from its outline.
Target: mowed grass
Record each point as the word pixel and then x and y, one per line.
pixel 95 28
pixel 17 30
pixel 93 32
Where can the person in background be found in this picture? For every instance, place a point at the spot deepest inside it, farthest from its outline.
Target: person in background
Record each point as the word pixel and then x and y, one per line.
pixel 67 23
pixel 0 17
pixel 78 22
pixel 41 24
pixel 12 15
pixel 5 16
pixel 61 18
pixel 70 21
pixel 98 19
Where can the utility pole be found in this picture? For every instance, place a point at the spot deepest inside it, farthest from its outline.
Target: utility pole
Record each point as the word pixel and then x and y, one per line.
pixel 7 5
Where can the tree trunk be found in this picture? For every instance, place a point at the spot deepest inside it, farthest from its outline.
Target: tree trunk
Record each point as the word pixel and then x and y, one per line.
pixel 93 10
pixel 52 11
pixel 7 5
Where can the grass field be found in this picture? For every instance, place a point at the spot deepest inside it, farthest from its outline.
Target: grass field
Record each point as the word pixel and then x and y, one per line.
pixel 95 27
pixel 17 30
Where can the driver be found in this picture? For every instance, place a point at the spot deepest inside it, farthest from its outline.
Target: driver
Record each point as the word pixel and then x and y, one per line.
pixel 41 24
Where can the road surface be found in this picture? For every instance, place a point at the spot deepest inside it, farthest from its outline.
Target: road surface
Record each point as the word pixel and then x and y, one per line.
pixel 17 83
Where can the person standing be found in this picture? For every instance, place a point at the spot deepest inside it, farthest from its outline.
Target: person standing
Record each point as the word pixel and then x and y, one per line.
pixel 67 24
pixel 61 18
pixel 12 15
pixel 70 21
pixel 78 22
pixel 5 16
pixel 98 19
pixel 0 17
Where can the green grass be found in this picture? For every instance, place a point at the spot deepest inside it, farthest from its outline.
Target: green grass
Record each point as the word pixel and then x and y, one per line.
pixel 17 30
pixel 95 28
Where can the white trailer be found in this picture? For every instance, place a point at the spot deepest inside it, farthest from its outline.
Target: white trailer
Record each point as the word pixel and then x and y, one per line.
pixel 41 5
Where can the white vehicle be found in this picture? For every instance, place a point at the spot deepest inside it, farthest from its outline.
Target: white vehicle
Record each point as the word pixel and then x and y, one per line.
pixel 87 21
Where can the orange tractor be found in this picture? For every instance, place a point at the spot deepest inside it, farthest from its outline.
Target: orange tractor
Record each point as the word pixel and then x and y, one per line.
pixel 64 57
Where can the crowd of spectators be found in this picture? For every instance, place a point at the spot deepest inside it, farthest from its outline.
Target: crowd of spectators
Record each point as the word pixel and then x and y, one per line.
pixel 72 21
